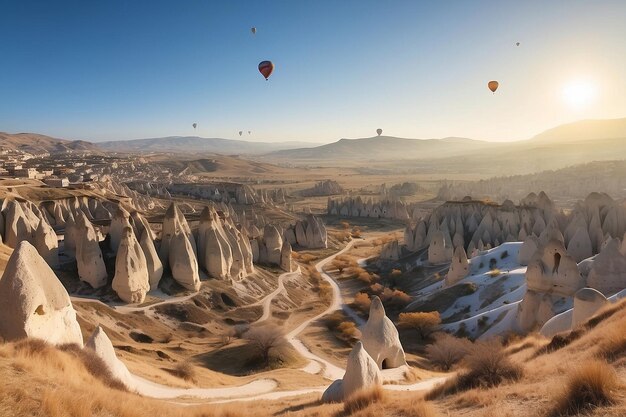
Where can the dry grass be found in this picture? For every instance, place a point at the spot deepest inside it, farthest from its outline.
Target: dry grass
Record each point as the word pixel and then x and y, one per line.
pixel 486 366
pixel 592 385
pixel 447 351
pixel 185 370
pixel 613 344
pixel 363 399
pixel 362 302
pixel 424 323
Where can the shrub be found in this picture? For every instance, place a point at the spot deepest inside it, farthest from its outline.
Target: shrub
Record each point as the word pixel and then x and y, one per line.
pixel 447 351
pixel 356 233
pixel 424 323
pixel 345 224
pixel 400 298
pixel 362 302
pixel 486 366
pixel 349 332
pixel 265 339
pixel 592 385
pixel 494 272
pixel 395 273
pixel 504 254
pixel 363 399
pixel 613 344
pixel 185 370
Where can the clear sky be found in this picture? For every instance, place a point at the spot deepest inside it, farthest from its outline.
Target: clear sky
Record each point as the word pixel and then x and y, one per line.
pixel 108 69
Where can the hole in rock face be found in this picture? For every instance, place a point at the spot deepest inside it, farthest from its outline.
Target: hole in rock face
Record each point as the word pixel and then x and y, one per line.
pixel 557 261
pixel 384 364
pixel 39 310
pixel 227 300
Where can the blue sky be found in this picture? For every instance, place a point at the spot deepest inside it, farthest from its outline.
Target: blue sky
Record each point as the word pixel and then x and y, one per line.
pixel 106 70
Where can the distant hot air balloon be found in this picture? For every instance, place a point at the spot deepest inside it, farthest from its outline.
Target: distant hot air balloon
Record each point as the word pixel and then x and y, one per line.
pixel 240 132
pixel 266 68
pixel 379 131
pixel 195 125
pixel 517 44
pixel 253 30
pixel 249 132
pixel 493 86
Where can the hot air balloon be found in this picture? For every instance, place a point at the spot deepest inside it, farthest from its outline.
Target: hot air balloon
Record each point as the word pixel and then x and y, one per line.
pixel 249 132
pixel 253 30
pixel 379 131
pixel 240 132
pixel 493 86
pixel 266 68
pixel 517 44
pixel 195 125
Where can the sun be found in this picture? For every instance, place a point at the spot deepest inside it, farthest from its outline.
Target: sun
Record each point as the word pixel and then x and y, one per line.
pixel 579 94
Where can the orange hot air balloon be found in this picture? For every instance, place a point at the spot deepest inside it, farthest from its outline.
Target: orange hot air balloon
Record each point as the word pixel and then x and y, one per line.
pixel 379 131
pixel 493 86
pixel 266 68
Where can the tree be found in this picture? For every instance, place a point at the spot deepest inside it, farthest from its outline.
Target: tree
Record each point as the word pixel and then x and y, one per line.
pixel 424 323
pixel 265 339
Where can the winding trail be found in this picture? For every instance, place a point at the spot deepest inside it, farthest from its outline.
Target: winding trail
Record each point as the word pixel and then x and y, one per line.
pixel 265 388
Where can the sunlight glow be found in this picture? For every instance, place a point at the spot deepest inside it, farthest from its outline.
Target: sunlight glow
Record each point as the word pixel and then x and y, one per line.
pixel 580 93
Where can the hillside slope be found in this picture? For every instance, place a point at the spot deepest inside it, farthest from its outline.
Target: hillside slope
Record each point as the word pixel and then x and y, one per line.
pixel 36 143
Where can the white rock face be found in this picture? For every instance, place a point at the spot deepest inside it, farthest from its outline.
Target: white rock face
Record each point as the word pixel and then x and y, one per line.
pixel 120 221
pixel 391 251
pixel 17 225
pixel 608 272
pixel 174 222
pixel 285 257
pixel 459 267
pixel 273 243
pixel 528 250
pixel 153 262
pixel 91 267
pixel 439 251
pixel 34 302
pixel 70 236
pixel 100 343
pixel 579 246
pixel 183 262
pixel 361 373
pixel 380 338
pixel 131 281
pixel 587 302
pixel 47 243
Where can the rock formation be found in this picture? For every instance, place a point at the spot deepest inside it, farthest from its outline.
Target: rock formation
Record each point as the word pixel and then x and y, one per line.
pixel 153 262
pixel 183 262
pixel 579 246
pixel 459 267
pixel 17 225
pixel 100 343
pixel 380 338
pixel 390 251
pixel 608 271
pixel 587 302
pixel 34 302
pixel 361 373
pixel 131 280
pixel 285 257
pixel 439 250
pixel 91 267
pixel 527 250
pixel 119 223
pixel 47 243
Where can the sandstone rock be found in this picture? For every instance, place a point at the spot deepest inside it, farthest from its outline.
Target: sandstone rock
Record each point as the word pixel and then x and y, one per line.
pixel 380 338
pixel 119 223
pixel 17 225
pixel 183 262
pixel 131 281
pixel 91 267
pixel 459 267
pixel 285 257
pixel 580 246
pixel 273 243
pixel 608 273
pixel 153 262
pixel 34 302
pixel 587 302
pixel 527 250
pixel 100 343
pixel 47 243
pixel 438 252
pixel 70 237
pixel 361 373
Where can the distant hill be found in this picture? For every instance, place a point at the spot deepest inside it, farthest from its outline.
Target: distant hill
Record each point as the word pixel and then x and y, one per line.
pixel 195 144
pixel 584 130
pixel 386 148
pixel 35 143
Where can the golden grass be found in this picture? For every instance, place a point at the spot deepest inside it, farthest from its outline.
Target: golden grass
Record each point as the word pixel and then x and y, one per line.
pixel 592 385
pixel 363 399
